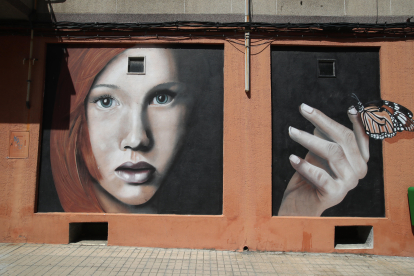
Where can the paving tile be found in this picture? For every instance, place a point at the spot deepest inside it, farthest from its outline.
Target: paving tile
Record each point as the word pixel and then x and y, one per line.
pixel 31 259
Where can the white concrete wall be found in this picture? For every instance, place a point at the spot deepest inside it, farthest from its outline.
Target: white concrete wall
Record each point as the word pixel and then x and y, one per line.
pixel 260 7
pixel 368 11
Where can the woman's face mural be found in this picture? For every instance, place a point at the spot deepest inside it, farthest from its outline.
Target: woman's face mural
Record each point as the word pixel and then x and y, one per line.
pixel 125 142
pixel 136 124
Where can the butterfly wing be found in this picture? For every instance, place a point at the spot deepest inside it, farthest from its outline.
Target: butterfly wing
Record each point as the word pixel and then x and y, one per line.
pixel 382 119
pixel 402 115
pixel 378 123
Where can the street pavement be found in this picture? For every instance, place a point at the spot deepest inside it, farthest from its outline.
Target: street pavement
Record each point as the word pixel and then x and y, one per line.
pixel 80 259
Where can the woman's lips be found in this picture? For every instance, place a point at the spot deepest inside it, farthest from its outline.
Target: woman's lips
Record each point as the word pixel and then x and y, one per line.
pixel 137 173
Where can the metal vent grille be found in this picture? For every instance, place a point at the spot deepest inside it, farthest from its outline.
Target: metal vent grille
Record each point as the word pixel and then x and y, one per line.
pixel 326 68
pixel 136 65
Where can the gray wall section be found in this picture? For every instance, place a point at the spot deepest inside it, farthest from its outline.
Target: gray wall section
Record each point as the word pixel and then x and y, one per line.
pixel 134 18
pixel 259 7
pixel 274 11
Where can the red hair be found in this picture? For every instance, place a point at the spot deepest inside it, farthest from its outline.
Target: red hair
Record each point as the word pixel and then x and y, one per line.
pixel 74 167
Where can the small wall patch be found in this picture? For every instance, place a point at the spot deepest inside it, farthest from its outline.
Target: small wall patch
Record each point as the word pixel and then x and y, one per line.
pixel 19 144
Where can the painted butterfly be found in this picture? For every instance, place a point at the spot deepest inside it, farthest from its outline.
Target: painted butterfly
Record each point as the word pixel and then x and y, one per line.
pixel 382 119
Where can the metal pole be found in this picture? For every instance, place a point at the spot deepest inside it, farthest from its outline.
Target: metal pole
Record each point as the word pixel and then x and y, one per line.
pixel 29 77
pixel 31 59
pixel 247 49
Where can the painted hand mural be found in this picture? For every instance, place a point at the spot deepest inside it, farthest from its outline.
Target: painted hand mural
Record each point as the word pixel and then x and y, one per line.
pixel 336 161
pixel 323 162
pixel 337 157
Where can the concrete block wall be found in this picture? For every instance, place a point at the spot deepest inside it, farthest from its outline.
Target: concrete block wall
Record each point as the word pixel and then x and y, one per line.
pixel 368 11
pixel 294 11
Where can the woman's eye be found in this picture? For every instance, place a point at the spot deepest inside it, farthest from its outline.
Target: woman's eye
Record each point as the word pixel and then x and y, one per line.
pixel 105 102
pixel 162 99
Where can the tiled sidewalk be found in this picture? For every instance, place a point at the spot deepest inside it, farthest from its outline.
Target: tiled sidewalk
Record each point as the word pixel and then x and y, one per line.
pixel 46 259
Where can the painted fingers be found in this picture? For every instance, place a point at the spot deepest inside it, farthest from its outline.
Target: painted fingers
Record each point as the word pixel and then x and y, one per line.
pixel 350 145
pixel 359 131
pixel 345 151
pixel 330 151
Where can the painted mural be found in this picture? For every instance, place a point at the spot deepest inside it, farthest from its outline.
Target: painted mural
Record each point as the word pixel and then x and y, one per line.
pixel 140 130
pixel 335 169
pixel 133 130
pixel 383 119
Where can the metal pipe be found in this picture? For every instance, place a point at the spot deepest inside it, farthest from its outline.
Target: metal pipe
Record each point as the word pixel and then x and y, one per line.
pixel 247 48
pixel 29 77
pixel 31 59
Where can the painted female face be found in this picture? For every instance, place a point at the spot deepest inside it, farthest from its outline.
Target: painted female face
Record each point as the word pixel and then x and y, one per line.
pixel 136 124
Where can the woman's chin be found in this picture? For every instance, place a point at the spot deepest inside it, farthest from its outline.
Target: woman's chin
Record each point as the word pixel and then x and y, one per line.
pixel 136 195
pixel 125 196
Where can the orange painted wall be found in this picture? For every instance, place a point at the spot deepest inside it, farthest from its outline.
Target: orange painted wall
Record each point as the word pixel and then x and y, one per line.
pixel 247 218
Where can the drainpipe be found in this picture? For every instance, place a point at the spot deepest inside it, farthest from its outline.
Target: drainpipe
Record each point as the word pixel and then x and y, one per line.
pixel 29 77
pixel 31 59
pixel 247 48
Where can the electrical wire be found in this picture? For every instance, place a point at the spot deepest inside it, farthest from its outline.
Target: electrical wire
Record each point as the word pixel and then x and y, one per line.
pixel 205 29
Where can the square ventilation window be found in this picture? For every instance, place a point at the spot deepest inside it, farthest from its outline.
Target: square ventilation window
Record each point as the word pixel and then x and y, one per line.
pixel 326 68
pixel 354 237
pixel 136 65
pixel 88 233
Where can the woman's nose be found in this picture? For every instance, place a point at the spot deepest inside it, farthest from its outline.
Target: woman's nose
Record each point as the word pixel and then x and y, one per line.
pixel 135 134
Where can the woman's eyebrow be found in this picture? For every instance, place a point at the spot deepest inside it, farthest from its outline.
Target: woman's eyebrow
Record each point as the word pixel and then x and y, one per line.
pixel 112 86
pixel 172 86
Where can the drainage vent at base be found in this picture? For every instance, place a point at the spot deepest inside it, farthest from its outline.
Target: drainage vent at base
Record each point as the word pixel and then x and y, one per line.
pixel 354 237
pixel 88 232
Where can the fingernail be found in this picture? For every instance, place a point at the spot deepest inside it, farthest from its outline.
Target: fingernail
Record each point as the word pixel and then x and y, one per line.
pixel 307 108
pixel 293 131
pixel 352 110
pixel 294 159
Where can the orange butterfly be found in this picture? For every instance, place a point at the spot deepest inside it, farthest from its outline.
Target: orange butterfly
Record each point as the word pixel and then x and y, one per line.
pixel 382 119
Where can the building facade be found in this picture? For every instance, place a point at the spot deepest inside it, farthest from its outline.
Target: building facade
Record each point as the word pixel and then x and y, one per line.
pixel 144 122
